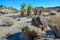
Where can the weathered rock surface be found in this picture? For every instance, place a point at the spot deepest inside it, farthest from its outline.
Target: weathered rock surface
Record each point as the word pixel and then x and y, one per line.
pixel 7 21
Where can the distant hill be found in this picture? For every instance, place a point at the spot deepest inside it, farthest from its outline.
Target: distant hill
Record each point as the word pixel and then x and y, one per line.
pixel 4 9
pixel 48 9
pixel 57 8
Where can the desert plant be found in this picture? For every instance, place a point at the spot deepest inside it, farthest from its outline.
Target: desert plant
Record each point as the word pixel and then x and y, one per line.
pixel 22 9
pixel 29 9
pixel 41 10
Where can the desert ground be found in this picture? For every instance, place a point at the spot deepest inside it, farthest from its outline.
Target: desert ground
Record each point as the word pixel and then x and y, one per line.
pixel 23 21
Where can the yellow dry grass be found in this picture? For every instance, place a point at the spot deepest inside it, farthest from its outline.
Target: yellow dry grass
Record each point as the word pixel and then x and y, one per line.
pixel 54 19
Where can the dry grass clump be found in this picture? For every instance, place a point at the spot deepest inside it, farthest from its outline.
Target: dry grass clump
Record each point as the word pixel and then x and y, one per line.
pixel 54 19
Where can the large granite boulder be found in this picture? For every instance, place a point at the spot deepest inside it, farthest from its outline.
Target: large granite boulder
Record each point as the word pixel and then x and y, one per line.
pixel 52 12
pixel 56 29
pixel 8 21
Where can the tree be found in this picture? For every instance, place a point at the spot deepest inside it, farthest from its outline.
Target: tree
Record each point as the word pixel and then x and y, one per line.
pixel 41 10
pixel 22 9
pixel 29 9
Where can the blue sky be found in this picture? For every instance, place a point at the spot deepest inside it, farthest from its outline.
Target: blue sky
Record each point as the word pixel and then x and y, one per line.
pixel 35 3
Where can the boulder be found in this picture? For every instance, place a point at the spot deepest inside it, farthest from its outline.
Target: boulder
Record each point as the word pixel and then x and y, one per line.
pixel 8 21
pixel 52 12
pixel 56 29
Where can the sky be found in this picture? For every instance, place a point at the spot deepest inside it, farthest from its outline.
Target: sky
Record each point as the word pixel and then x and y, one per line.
pixel 35 3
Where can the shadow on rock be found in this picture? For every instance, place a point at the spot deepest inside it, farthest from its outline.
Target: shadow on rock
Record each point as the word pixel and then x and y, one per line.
pixel 15 36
